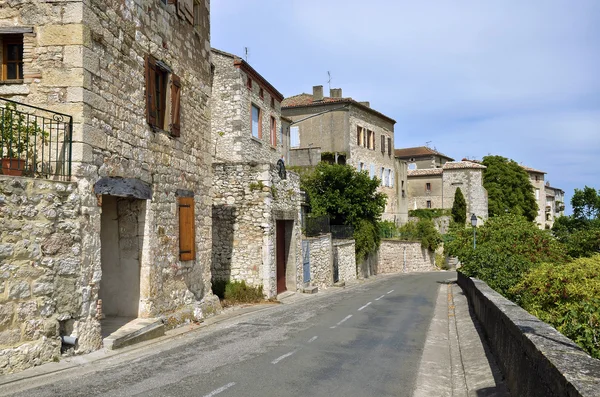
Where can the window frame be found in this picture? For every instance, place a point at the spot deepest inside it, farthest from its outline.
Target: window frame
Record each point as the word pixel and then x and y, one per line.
pixel 273 137
pixel 428 204
pixel 249 83
pixel 389 145
pixel 259 132
pixel 7 40
pixel 162 83
pixel 382 144
pixel 428 187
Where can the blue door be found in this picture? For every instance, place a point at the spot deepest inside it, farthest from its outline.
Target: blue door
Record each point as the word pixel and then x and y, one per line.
pixel 306 261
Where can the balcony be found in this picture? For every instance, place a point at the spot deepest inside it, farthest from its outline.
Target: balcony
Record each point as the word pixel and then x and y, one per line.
pixel 34 142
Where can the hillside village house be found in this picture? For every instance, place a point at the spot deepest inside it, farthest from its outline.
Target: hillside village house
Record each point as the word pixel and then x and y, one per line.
pixel 256 207
pixel 550 200
pixel 555 204
pixel 422 157
pixel 115 223
pixel 344 131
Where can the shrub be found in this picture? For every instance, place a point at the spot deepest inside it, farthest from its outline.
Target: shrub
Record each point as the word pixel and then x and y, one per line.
pixel 429 213
pixel 567 297
pixel 424 231
pixel 459 208
pixel 235 292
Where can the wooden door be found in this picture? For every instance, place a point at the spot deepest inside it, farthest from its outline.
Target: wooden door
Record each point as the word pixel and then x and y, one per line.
pixel 280 255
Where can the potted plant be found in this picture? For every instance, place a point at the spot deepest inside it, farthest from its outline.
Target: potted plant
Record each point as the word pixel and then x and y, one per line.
pixel 17 140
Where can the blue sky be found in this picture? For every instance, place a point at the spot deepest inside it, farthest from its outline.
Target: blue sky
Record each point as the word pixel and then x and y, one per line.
pixel 519 79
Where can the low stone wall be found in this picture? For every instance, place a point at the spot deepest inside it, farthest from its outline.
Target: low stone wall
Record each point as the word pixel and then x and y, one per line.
pixel 404 257
pixel 40 261
pixel 344 254
pixel 535 359
pixel 321 261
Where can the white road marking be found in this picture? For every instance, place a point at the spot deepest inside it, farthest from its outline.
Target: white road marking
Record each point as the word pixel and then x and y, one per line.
pixel 364 306
pixel 345 318
pixel 282 357
pixel 220 389
pixel 379 297
pixel 389 292
pixel 314 338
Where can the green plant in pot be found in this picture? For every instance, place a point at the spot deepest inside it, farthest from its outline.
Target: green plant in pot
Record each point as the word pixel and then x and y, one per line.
pixel 18 140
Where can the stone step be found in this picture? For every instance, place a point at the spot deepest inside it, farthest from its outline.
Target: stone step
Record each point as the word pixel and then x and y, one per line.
pixel 340 284
pixel 135 331
pixel 311 289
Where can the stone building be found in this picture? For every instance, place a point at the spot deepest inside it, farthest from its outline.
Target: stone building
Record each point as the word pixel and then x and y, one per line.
pixel 422 157
pixel 256 207
pixel 550 200
pixel 555 204
pixel 435 187
pixel 346 131
pixel 127 232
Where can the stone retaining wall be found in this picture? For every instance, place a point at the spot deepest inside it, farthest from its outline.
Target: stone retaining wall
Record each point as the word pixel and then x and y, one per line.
pixel 535 359
pixel 404 257
pixel 321 261
pixel 40 263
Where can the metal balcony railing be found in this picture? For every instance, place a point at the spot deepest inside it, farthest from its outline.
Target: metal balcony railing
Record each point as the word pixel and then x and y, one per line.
pixel 35 142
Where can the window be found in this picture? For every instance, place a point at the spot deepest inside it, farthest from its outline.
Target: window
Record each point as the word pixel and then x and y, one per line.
pixel 381 175
pixel 281 134
pixel 537 194
pixel 160 85
pixel 372 171
pixel 428 203
pixel 187 236
pixel 261 93
pixel 256 122
pixel 412 166
pixel 428 187
pixel 197 14
pixel 382 143
pixel 389 146
pixel 12 57
pixel 294 137
pixel 387 178
pixel 403 193
pixel 359 136
pixel 273 131
pixel 273 102
pixel 249 83
pixel 370 139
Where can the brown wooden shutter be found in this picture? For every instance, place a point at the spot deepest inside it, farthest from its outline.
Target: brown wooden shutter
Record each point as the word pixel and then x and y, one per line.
pixel 382 143
pixel 389 146
pixel 187 238
pixel 151 90
pixel 175 105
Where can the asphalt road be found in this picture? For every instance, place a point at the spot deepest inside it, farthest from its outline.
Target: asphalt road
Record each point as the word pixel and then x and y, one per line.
pixel 361 341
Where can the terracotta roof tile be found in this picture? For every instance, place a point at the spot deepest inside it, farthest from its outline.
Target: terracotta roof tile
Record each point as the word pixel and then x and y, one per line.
pixel 418 151
pixel 454 165
pixel 529 169
pixel 425 172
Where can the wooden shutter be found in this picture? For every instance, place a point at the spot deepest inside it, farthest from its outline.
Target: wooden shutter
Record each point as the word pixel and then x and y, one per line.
pixel 151 90
pixel 382 143
pixel 185 10
pixel 187 238
pixel 389 146
pixel 175 104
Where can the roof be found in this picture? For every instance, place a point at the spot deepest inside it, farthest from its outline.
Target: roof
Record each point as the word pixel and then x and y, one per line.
pixel 307 100
pixel 455 165
pixel 419 151
pixel 245 66
pixel 425 172
pixel 529 169
pixel 556 189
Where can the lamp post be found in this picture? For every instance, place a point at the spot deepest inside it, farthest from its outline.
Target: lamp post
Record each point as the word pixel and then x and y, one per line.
pixel 474 224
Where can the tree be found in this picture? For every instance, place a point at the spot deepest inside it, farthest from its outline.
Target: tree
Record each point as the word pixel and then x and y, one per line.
pixel 508 187
pixel 348 197
pixel 586 203
pixel 459 208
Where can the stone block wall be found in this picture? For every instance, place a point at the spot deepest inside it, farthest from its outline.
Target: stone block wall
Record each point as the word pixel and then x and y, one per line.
pixel 470 182
pixel 248 200
pixel 344 254
pixel 392 254
pixel 41 287
pixel 321 261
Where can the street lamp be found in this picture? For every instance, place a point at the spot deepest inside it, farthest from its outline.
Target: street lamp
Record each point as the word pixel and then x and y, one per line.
pixel 474 224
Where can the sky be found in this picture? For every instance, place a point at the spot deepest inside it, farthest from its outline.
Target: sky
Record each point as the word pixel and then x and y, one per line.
pixel 520 79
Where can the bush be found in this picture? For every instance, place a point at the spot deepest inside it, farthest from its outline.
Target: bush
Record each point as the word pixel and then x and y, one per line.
pixel 366 238
pixel 235 292
pixel 459 208
pixel 567 297
pixel 424 231
pixel 429 213
pixel 508 246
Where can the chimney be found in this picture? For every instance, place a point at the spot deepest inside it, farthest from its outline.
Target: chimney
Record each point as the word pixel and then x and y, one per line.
pixel 317 93
pixel 366 103
pixel 335 92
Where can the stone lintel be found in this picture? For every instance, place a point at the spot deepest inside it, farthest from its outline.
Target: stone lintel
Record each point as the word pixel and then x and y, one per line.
pixel 284 215
pixel 15 30
pixel 184 193
pixel 123 187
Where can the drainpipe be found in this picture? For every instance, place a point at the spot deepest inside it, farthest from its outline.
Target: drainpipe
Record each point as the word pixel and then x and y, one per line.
pixel 68 340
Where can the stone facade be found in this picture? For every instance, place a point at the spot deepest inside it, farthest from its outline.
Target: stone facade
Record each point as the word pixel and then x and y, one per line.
pixel 422 157
pixel 321 261
pixel 555 204
pixel 356 134
pixel 344 253
pixel 256 211
pixel 87 60
pixel 249 200
pixel 435 187
pixel 404 257
pixel 536 178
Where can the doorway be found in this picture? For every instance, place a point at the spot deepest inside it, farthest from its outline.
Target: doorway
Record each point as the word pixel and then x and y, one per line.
pixel 281 256
pixel 121 237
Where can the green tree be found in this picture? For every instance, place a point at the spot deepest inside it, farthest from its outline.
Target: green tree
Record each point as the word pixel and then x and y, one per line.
pixel 348 197
pixel 508 246
pixel 508 187
pixel 586 203
pixel 459 208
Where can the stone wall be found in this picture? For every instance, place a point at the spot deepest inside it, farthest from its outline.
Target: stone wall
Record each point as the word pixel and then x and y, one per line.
pixel 86 59
pixel 535 359
pixel 344 254
pixel 321 261
pixel 418 195
pixel 248 201
pixel 40 264
pixel 470 182
pixel 404 257
pixel 305 157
